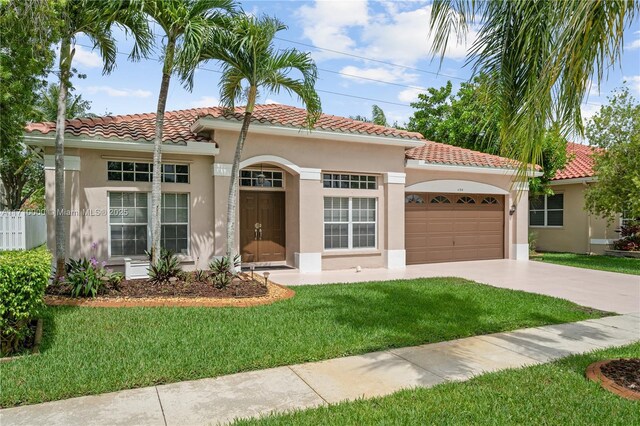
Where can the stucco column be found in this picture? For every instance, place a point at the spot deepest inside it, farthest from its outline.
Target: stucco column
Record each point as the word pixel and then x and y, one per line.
pixel 72 209
pixel 520 221
pixel 311 221
pixel 221 173
pixel 394 251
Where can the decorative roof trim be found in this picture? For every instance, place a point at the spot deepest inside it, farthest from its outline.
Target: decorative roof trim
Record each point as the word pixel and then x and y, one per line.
pixel 424 165
pixel 196 148
pixel 208 123
pixel 570 181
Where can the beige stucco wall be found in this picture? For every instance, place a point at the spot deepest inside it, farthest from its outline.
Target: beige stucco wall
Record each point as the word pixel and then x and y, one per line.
pixel 86 193
pixel 581 232
pixel 305 197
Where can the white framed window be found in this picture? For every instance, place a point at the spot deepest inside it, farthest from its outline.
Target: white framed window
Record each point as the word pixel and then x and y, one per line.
pixel 129 171
pixel 344 181
pixel 129 217
pixel 261 178
pixel 350 223
pixel 175 222
pixel 546 210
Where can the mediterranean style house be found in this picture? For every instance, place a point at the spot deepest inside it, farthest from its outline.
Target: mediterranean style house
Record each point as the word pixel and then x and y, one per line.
pixel 345 194
pixel 560 221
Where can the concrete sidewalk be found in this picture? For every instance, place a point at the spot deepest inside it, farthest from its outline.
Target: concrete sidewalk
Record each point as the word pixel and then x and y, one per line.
pixel 220 400
pixel 607 291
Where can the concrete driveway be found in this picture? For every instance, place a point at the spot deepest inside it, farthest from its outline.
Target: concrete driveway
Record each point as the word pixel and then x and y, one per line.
pixel 608 291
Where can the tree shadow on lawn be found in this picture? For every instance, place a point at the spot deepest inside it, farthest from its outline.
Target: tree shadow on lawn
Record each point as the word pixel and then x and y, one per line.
pixel 407 316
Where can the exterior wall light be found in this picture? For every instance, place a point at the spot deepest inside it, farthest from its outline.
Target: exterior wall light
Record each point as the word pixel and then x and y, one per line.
pixel 512 210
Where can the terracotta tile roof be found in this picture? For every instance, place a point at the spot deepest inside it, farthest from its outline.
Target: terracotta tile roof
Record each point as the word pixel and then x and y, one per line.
pixel 177 129
pixel 579 162
pixel 177 124
pixel 440 153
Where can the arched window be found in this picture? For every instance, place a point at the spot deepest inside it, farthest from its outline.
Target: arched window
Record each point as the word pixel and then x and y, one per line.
pixel 413 199
pixel 489 200
pixel 466 200
pixel 440 199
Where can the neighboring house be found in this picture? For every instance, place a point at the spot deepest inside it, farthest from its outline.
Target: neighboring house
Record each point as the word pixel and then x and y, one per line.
pixel 560 221
pixel 346 194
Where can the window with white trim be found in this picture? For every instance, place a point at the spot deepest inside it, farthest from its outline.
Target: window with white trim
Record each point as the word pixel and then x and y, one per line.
pixel 546 210
pixel 175 222
pixel 350 222
pixel 334 180
pixel 129 217
pixel 129 171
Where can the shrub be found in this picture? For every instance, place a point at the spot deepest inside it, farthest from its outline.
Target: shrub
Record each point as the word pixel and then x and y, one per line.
pixel 630 240
pixel 223 270
pixel 168 266
pixel 87 276
pixel 23 278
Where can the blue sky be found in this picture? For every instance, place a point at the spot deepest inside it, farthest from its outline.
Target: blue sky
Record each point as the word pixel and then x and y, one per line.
pixel 392 35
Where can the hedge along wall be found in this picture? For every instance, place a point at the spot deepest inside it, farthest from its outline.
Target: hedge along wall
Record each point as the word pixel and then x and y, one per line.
pixel 23 278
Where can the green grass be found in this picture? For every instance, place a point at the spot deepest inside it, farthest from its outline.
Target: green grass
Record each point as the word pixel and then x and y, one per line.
pixel 623 265
pixel 95 350
pixel 550 394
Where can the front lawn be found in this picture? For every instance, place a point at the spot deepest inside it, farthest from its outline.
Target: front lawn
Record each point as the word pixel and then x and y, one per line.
pixel 95 350
pixel 550 394
pixel 624 265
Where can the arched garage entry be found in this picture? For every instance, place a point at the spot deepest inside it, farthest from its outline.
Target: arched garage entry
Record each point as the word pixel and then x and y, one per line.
pixel 454 220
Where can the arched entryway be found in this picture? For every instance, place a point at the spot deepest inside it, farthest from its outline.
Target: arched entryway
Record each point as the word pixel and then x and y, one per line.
pixel 264 183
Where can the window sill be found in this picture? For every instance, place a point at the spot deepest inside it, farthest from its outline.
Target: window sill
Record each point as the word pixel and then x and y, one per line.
pixel 119 261
pixel 353 252
pixel 546 227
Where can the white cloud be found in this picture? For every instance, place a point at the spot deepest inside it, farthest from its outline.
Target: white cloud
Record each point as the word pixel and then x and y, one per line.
pixel 327 24
pixel 393 35
pixel 118 93
pixel 395 75
pixel 635 44
pixel 634 83
pixel 205 102
pixel 269 101
pixel 589 110
pixel 87 58
pixel 409 95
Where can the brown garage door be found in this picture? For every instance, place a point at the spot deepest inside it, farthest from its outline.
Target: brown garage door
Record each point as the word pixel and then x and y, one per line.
pixel 453 227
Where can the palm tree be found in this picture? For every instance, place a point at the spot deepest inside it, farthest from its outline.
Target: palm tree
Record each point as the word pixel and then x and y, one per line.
pixel 94 20
pixel 250 64
pixel 46 105
pixel 185 24
pixel 540 58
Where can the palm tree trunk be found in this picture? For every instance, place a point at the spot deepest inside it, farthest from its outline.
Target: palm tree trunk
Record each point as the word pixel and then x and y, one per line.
pixel 156 187
pixel 66 55
pixel 235 174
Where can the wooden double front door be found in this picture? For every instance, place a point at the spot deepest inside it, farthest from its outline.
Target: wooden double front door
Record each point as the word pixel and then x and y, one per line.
pixel 262 226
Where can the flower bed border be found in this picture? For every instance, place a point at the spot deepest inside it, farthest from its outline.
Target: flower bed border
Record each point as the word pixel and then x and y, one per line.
pixel 594 373
pixel 276 292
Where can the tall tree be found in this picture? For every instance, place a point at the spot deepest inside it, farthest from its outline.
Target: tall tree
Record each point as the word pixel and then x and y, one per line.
pixel 46 104
pixel 540 57
pixel 377 117
pixel 251 64
pixel 94 20
pixel 467 119
pixel 27 31
pixel 615 129
pixel 185 24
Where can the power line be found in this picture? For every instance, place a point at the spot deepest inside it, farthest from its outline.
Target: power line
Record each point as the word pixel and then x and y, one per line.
pixel 371 59
pixel 424 89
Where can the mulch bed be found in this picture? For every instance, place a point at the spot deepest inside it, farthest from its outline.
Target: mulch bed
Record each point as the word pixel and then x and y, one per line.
pixel 31 345
pixel 620 376
pixel 241 292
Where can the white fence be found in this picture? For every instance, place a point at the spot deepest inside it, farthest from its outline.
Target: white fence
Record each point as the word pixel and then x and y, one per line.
pixel 21 230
